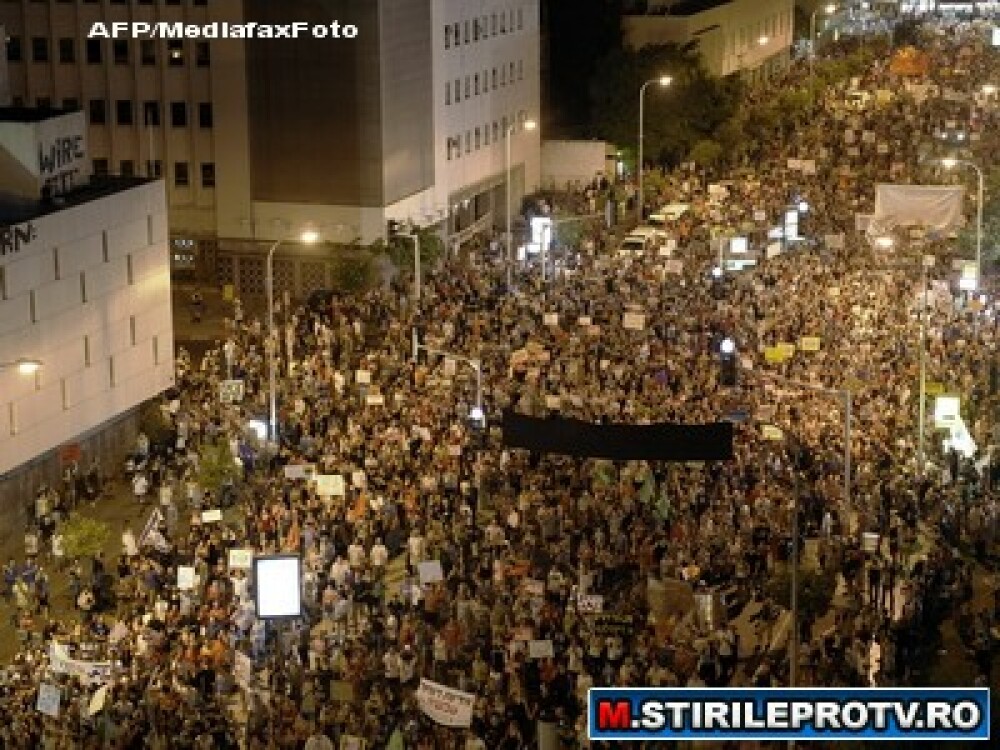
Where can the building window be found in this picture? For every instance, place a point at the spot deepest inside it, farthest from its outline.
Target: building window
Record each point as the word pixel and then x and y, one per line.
pixel 67 50
pixel 486 134
pixel 202 54
pixel 101 167
pixel 494 77
pixel 39 49
pixel 467 35
pixel 477 84
pixel 43 102
pixel 71 104
pixel 447 92
pixel 478 139
pixel 98 110
pixel 94 53
pixel 493 24
pixel 154 169
pixel 119 50
pixel 178 114
pixel 208 174
pixel 147 52
pixel 468 142
pixel 447 36
pixel 458 91
pixel 181 178
pixel 14 49
pixel 520 19
pixel 475 30
pixel 151 114
pixel 447 147
pixel 520 70
pixel 503 75
pixel 175 53
pixel 127 168
pixel 455 34
pixel 503 22
pixel 123 112
pixel 468 87
pixel 496 132
pixel 205 117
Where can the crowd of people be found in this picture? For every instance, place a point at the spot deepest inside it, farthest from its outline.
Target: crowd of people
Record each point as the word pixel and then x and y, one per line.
pixel 558 573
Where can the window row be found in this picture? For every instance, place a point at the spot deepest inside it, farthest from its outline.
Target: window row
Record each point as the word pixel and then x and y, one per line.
pixel 477 138
pixel 125 113
pixel 122 2
pixel 483 83
pixel 483 27
pixel 66 49
pixel 154 168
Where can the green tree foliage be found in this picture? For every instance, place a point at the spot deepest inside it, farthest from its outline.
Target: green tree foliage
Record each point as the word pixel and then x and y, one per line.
pixel 83 536
pixel 216 466
pixel 400 250
pixel 676 118
pixel 706 153
pixel 353 270
pixel 154 423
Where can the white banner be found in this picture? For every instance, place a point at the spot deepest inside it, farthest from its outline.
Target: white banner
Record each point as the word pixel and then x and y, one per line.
pixel 933 206
pixel 330 485
pixel 445 705
pixel 633 321
pixel 97 700
pixel 89 672
pixel 430 571
pixel 49 699
pixel 240 559
pixel 299 471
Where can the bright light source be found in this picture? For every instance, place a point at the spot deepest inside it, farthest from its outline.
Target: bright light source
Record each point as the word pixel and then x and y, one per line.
pixel 476 414
pixel 883 241
pixel 967 284
pixel 259 428
pixel 728 346
pixel 763 41
pixel 949 162
pixel 28 366
pixel 989 89
pixel 530 124
pixel 960 136
pixel 666 80
pixel 982 299
pixel 309 236
pixel 831 8
pixel 716 273
pixel 803 207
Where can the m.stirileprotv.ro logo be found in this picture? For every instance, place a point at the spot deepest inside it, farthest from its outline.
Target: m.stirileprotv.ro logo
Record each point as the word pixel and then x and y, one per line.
pixel 221 30
pixel 789 714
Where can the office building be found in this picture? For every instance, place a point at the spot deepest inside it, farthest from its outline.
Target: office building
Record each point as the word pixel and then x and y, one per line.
pixel 84 291
pixel 256 139
pixel 750 37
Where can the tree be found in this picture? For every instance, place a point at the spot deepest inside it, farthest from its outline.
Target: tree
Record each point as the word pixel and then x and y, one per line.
pixel 353 270
pixel 83 536
pixel 216 466
pixel 816 590
pixel 706 153
pixel 400 249
pixel 155 424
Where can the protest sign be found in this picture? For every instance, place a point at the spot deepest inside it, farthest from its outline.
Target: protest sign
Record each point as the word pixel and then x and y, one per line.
pixel 358 479
pixel 231 391
pixel 299 471
pixel 212 515
pixel 809 343
pixel 330 485
pixel 609 623
pixel 152 523
pixel 375 399
pixel 540 650
pixel 633 321
pixel 551 319
pixel 97 700
pixel 89 672
pixel 552 402
pixel 869 542
pixel 445 705
pixel 809 166
pixel 533 587
pixel 240 559
pixel 430 571
pixel 185 577
pixel 770 432
pixel 590 603
pixel 787 349
pixel 363 377
pixel 774 355
pixel 759 214
pixel 49 698
pixel 583 320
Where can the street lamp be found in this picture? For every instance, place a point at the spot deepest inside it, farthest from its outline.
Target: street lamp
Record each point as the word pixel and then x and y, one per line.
pixel 950 163
pixel 527 125
pixel 828 10
pixel 308 237
pixel 664 81
pixel 24 365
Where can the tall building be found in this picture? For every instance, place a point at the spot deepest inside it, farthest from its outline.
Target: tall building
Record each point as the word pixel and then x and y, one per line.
pixel 733 36
pixel 257 138
pixel 84 295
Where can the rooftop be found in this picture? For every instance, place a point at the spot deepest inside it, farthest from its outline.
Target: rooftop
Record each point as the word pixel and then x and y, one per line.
pixel 17 211
pixel 31 114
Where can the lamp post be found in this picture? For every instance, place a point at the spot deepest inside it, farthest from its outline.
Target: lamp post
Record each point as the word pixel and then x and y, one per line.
pixel 827 10
pixel 950 163
pixel 663 81
pixel 527 125
pixel 24 365
pixel 308 237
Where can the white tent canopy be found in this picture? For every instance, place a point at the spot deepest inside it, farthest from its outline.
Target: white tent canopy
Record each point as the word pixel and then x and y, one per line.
pixel 932 206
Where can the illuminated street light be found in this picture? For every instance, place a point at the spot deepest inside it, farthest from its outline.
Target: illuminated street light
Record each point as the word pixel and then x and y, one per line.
pixel 664 81
pixel 884 242
pixel 728 346
pixel 528 124
pixel 24 365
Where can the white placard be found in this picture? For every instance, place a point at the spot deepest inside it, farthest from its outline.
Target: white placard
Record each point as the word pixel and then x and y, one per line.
pixel 868 136
pixel 633 321
pixel 882 148
pixel 430 571
pixel 375 399
pixel 231 391
pixel 759 214
pixel 49 698
pixel 808 166
pixel 674 265
pixel 329 485
pixel 590 603
pixel 186 577
pixel 445 705
pixel 358 479
pixel 363 377
pixel 97 700
pixel 540 650
pixel 552 402
pixel 551 319
pixel 583 320
pixel 454 451
pixel 533 587
pixel 869 541
pixel 213 515
pixel 278 586
pixel 240 559
pixel 450 368
pixel 299 471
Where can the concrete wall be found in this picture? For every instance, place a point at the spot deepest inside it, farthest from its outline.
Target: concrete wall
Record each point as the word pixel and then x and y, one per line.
pixel 89 296
pixel 573 162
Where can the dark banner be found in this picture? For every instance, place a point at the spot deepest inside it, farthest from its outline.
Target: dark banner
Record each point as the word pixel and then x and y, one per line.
pixel 654 442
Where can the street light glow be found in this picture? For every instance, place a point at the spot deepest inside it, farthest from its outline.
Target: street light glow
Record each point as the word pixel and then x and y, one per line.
pixel 803 207
pixel 28 366
pixel 309 236
pixel 831 8
pixel 883 241
pixel 763 40
pixel 666 80
pixel 530 125
pixel 717 273
pixel 989 89
pixel 949 162
pixel 728 346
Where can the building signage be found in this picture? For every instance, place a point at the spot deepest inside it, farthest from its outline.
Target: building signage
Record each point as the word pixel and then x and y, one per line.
pixel 15 237
pixel 57 160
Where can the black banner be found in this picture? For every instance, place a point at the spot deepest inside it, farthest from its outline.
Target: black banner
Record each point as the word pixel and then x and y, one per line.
pixel 654 442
